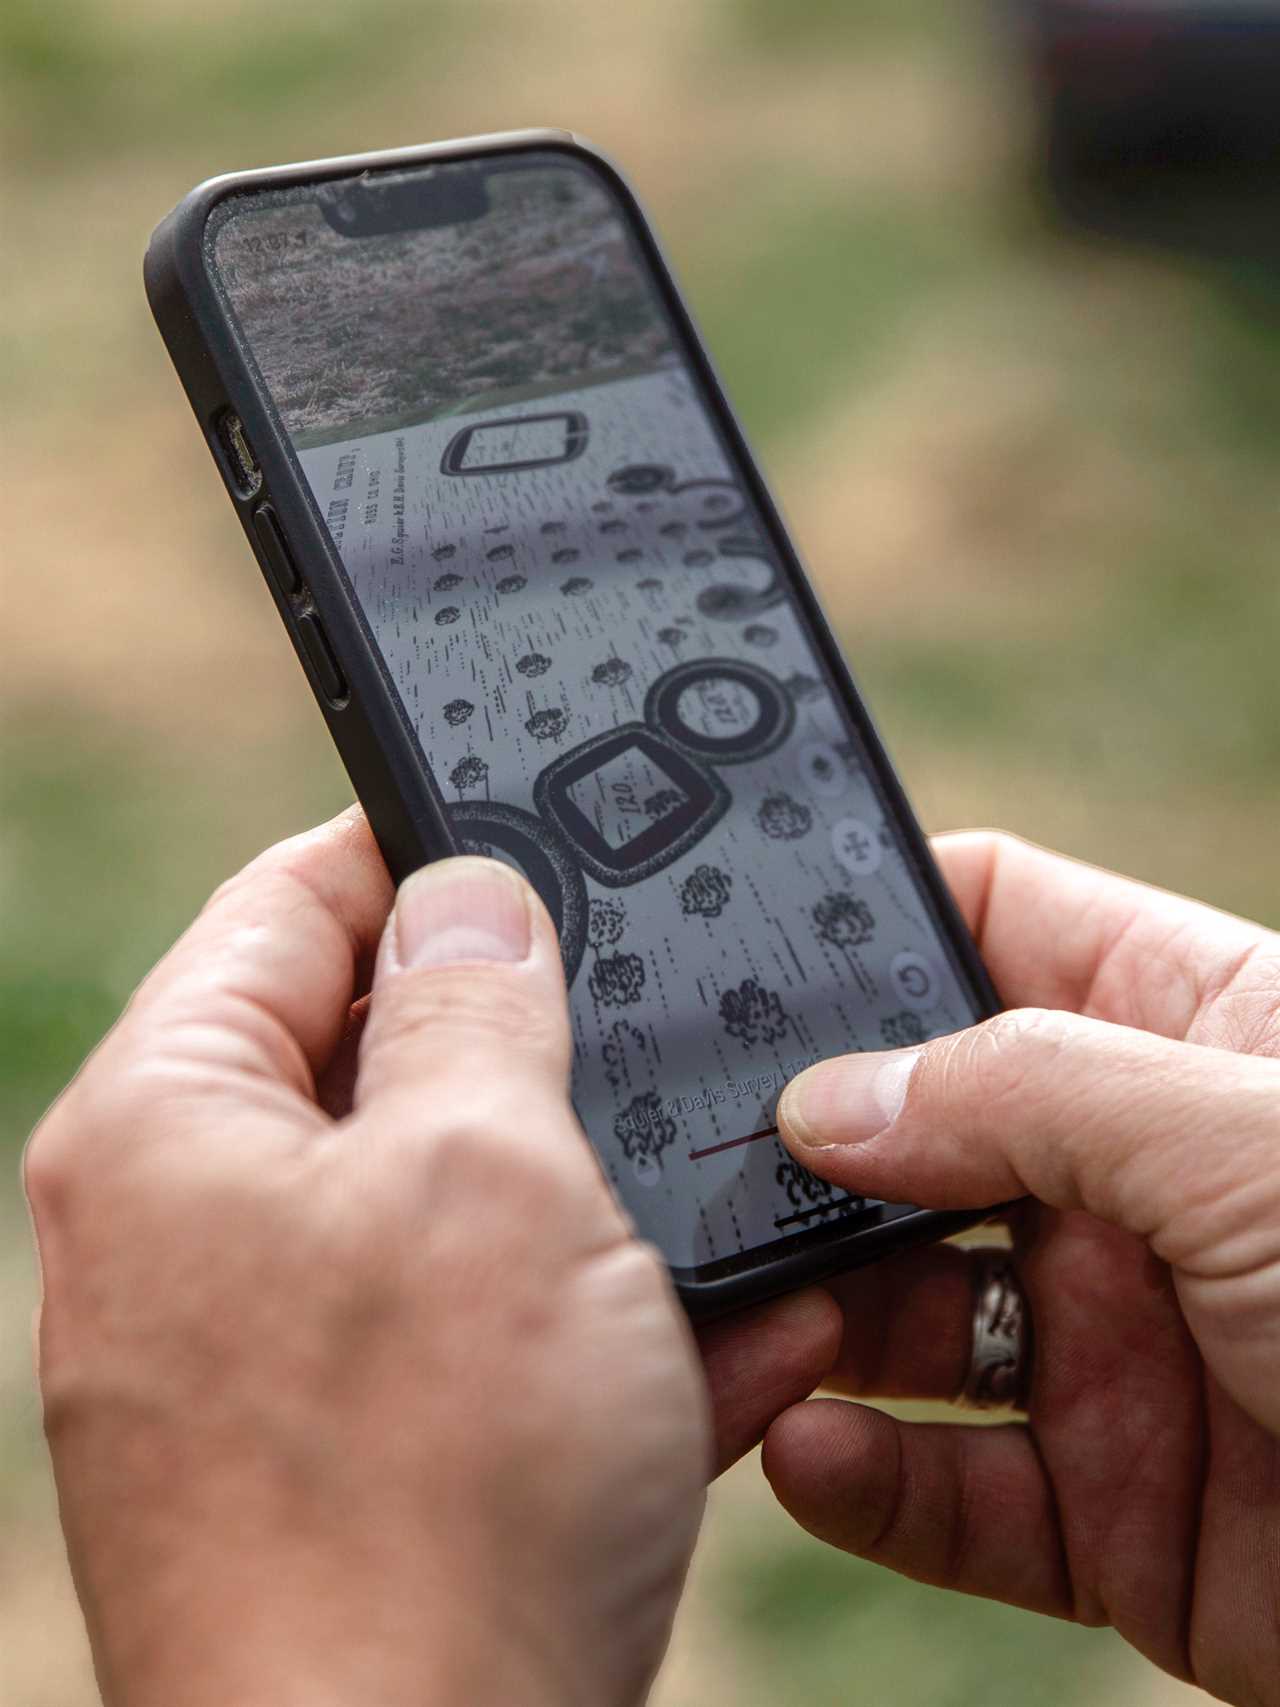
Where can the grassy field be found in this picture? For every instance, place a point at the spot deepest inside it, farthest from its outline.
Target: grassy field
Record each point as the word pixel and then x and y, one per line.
pixel 1035 476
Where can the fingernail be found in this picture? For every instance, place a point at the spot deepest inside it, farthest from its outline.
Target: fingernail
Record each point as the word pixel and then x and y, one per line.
pixel 462 909
pixel 847 1101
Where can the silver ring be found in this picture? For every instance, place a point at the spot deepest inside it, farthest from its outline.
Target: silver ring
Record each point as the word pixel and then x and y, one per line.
pixel 1000 1361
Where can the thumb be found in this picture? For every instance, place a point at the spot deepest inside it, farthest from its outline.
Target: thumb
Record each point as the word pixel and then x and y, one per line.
pixel 468 1003
pixel 1075 1112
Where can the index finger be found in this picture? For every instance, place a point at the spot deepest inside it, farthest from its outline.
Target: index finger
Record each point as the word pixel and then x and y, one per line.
pixel 1056 933
pixel 263 981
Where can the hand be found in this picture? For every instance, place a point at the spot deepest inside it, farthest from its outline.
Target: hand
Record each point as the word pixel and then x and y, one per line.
pixel 1134 1096
pixel 356 1384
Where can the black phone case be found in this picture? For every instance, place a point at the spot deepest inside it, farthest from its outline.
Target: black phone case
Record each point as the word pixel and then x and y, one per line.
pixel 388 770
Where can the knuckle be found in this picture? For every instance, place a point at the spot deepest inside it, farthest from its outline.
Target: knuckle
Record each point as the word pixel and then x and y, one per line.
pixel 280 880
pixel 77 1132
pixel 466 1148
pixel 263 866
pixel 996 843
pixel 355 1259
pixel 514 1166
pixel 1019 1030
pixel 959 1522
pixel 629 1274
pixel 49 1164
pixel 493 1152
pixel 882 1520
pixel 123 1092
pixel 998 1061
pixel 472 1022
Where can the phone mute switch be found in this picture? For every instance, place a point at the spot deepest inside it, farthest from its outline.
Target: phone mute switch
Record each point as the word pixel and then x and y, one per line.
pixel 324 666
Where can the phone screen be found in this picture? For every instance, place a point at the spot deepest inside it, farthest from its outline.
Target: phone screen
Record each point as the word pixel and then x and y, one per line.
pixel 598 644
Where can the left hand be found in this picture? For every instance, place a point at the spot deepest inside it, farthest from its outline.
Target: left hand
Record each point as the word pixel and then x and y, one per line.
pixel 357 1386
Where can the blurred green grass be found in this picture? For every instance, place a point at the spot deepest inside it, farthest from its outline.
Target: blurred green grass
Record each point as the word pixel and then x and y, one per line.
pixel 821 1622
pixel 111 846
pixel 842 26
pixel 84 79
pixel 1035 474
pixel 813 302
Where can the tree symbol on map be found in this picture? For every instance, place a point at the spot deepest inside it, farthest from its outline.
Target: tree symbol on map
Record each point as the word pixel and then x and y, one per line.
pixel 800 1185
pixel 457 711
pixel 469 772
pixel 900 1031
pixel 783 818
pixel 844 920
pixel 753 1014
pixel 606 921
pixel 638 478
pixel 612 673
pixel 644 1129
pixel 548 725
pixel 664 801
pixel 800 686
pixel 705 891
pixel 616 980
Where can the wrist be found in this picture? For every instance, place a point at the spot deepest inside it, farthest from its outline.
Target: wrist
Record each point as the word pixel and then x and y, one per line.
pixel 218 1617
pixel 327 1656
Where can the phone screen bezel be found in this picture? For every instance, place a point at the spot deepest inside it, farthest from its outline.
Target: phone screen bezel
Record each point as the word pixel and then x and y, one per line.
pixel 795 1257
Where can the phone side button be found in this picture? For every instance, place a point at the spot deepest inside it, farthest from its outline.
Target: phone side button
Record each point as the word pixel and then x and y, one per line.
pixel 275 552
pixel 315 643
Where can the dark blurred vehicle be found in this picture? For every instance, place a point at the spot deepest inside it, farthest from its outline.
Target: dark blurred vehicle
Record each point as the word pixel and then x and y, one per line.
pixel 1160 116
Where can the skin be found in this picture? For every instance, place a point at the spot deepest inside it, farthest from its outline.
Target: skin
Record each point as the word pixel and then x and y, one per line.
pixel 356 1384
pixel 358 1388
pixel 1133 1097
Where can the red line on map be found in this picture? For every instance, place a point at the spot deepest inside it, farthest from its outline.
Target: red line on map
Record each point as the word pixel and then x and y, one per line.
pixel 732 1143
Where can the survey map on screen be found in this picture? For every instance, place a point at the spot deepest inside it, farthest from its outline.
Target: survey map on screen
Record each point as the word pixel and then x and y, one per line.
pixel 599 651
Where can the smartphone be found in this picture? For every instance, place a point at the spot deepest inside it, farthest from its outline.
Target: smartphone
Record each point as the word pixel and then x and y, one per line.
pixel 550 613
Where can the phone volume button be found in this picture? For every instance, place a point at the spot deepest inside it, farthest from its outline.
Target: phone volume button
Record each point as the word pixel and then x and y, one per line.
pixel 275 553
pixel 315 643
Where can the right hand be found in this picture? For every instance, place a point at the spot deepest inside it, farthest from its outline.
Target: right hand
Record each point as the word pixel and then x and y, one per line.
pixel 1135 1101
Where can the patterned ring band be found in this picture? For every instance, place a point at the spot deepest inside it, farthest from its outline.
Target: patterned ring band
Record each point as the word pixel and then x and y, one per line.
pixel 1000 1361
